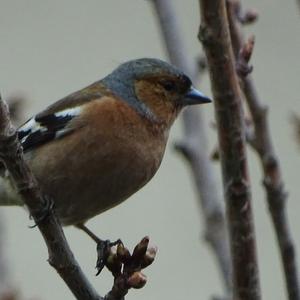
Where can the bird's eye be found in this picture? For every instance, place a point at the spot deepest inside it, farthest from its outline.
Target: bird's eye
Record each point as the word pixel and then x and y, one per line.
pixel 169 85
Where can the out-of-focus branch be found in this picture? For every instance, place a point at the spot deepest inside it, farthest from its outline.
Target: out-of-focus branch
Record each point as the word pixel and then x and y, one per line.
pixel 263 144
pixel 194 145
pixel 10 296
pixel 296 122
pixel 215 36
pixel 16 105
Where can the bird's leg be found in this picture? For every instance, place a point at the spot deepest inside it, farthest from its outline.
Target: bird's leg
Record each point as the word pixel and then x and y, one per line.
pixel 89 233
pixel 103 247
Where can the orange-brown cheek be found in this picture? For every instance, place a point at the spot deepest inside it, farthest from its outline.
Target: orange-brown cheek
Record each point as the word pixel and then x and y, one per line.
pixel 156 99
pixel 149 92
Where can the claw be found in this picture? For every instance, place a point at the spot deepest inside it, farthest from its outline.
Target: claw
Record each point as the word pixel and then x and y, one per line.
pixel 104 250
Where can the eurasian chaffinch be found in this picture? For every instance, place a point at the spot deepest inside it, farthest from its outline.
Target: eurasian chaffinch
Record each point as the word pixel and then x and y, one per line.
pixel 93 149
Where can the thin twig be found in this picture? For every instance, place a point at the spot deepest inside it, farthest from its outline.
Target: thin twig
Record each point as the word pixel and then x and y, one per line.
pixel 214 34
pixel 194 146
pixel 263 144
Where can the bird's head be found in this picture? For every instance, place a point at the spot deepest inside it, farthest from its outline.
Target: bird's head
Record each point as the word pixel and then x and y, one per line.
pixel 154 87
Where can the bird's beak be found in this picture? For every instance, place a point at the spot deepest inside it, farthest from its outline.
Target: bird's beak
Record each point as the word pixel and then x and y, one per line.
pixel 193 96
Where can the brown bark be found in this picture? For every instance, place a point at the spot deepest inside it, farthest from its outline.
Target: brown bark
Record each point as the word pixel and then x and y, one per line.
pixel 214 34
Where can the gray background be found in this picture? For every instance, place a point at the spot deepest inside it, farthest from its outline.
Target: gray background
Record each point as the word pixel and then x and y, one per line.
pixel 51 48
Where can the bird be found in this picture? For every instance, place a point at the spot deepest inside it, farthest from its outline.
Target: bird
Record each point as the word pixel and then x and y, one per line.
pixel 95 148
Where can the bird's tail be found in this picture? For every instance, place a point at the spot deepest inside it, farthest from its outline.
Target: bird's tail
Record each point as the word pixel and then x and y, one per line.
pixel 8 194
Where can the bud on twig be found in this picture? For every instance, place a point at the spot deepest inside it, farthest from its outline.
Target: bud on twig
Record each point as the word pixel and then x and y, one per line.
pixel 140 249
pixel 149 256
pixel 137 280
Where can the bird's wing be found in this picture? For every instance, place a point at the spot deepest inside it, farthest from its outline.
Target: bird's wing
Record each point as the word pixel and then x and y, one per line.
pixel 41 129
pixel 54 121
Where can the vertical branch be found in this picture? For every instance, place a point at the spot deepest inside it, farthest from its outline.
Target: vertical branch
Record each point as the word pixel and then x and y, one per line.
pixel 214 34
pixel 263 145
pixel 194 145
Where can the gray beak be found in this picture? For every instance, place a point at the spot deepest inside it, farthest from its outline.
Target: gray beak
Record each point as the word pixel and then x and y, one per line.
pixel 193 96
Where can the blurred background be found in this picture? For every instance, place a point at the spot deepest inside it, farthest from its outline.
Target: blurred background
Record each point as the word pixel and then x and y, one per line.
pixel 52 48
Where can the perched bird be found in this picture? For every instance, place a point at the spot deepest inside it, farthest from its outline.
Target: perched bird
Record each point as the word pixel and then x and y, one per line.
pixel 93 149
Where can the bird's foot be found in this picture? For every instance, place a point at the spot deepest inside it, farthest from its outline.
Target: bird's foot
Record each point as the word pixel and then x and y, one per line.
pixel 44 212
pixel 104 249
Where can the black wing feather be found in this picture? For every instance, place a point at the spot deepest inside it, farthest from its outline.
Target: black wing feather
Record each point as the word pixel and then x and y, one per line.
pixel 53 122
pixel 36 139
pixel 44 129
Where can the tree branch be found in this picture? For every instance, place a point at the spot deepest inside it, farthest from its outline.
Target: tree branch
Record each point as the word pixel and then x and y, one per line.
pixel 263 145
pixel 60 255
pixel 214 34
pixel 194 146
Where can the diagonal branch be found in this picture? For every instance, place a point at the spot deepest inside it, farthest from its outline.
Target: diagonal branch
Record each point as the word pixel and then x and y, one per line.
pixel 263 145
pixel 194 146
pixel 214 34
pixel 60 255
